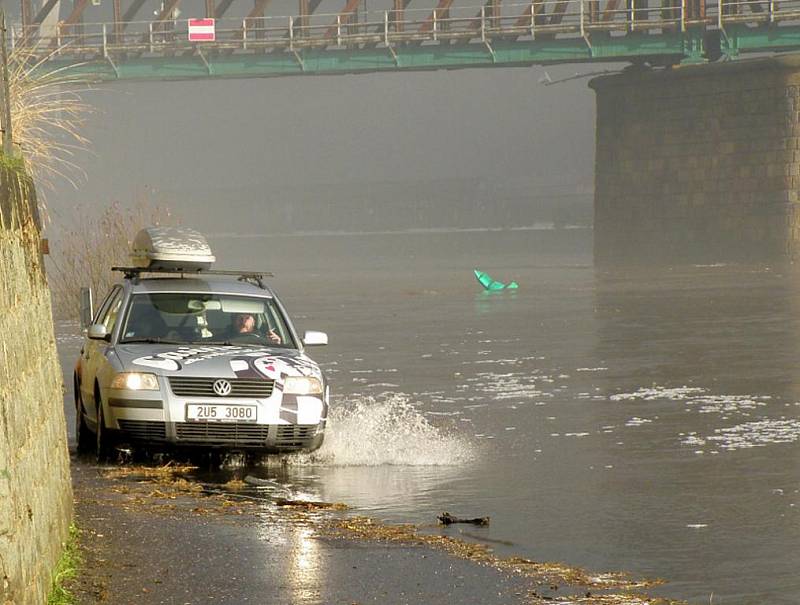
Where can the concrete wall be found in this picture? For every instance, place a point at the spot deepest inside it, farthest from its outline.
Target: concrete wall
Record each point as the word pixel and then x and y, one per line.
pixel 698 163
pixel 35 492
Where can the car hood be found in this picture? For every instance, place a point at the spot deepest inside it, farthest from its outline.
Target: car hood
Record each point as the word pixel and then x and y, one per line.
pixel 218 361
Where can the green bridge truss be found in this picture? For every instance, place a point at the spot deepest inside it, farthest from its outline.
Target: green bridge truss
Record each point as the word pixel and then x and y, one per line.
pixel 402 39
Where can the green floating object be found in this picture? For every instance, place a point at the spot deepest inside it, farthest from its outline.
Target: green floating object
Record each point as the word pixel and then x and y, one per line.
pixel 489 284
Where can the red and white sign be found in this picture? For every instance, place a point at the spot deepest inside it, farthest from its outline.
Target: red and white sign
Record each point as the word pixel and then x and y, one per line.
pixel 201 30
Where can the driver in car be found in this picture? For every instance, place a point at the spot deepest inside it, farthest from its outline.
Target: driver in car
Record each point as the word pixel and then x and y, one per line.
pixel 245 323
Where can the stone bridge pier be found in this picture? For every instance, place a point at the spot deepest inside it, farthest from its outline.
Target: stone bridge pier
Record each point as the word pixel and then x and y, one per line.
pixel 698 163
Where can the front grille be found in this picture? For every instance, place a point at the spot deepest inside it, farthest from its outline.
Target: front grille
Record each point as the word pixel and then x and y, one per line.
pixel 295 435
pixel 185 386
pixel 218 432
pixel 144 430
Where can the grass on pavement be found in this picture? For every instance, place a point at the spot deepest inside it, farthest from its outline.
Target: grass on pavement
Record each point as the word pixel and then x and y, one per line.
pixel 66 570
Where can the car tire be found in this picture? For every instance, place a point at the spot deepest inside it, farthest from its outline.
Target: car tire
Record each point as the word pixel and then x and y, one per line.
pixel 83 436
pixel 317 442
pixel 104 446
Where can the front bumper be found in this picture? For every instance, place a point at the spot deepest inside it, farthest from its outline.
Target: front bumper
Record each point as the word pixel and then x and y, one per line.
pixel 240 436
pixel 286 423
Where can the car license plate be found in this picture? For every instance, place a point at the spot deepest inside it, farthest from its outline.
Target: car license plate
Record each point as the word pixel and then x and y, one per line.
pixel 216 412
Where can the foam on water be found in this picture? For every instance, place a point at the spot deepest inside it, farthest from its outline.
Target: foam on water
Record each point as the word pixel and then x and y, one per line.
pixel 656 392
pixel 758 433
pixel 385 430
pixel 751 434
pixel 68 338
pixel 68 331
pixel 699 398
pixel 501 386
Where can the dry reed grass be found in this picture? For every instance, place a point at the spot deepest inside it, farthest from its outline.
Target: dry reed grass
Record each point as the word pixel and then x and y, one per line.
pixel 81 255
pixel 47 115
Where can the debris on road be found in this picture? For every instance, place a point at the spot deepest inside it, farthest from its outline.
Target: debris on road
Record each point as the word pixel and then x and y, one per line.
pixel 447 519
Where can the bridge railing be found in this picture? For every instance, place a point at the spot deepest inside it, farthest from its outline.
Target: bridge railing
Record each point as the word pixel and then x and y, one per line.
pixel 752 11
pixel 531 20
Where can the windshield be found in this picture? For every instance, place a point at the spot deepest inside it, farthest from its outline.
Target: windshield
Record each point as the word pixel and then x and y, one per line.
pixel 190 318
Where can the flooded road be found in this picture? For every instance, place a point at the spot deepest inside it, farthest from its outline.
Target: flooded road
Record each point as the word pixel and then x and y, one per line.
pixel 646 421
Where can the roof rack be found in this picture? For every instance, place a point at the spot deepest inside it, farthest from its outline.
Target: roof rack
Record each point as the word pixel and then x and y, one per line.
pixel 134 273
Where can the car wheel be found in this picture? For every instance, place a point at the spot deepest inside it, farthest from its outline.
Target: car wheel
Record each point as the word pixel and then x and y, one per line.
pixel 104 445
pixel 83 437
pixel 317 442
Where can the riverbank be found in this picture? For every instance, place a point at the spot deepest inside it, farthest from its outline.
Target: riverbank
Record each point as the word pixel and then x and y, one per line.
pixel 152 540
pixel 152 535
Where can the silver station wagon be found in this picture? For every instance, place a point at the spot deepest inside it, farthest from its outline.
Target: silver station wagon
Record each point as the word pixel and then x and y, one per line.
pixel 179 355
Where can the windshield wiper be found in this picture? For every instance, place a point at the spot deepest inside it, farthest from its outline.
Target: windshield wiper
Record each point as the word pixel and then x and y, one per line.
pixel 150 340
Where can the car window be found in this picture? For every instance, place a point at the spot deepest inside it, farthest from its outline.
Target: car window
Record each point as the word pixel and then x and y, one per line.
pixel 103 308
pixel 275 323
pixel 109 320
pixel 203 318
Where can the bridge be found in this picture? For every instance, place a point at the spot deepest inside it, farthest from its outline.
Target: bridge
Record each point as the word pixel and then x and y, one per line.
pixel 115 42
pixel 697 156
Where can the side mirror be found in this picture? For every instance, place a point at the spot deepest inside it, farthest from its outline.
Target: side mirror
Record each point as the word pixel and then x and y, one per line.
pixel 87 312
pixel 97 332
pixel 313 339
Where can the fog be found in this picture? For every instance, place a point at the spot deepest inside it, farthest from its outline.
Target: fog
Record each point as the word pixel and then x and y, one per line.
pixel 614 415
pixel 475 147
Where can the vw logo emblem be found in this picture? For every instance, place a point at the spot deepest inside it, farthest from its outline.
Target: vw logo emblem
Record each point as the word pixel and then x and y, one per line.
pixel 222 387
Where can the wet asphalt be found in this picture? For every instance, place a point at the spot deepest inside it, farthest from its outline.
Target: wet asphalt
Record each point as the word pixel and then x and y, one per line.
pixel 140 547
pixel 143 544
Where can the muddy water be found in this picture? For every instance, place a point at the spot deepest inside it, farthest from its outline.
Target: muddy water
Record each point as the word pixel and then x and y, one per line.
pixel 641 420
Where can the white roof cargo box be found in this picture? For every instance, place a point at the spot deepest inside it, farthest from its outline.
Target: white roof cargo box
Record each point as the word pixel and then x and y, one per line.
pixel 171 248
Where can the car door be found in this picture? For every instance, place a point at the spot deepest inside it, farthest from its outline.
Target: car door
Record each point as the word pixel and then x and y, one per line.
pixel 94 360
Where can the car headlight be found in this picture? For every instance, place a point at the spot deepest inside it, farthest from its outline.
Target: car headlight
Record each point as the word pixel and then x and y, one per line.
pixel 302 385
pixel 135 381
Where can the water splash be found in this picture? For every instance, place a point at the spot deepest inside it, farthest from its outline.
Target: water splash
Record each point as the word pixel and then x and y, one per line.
pixel 385 430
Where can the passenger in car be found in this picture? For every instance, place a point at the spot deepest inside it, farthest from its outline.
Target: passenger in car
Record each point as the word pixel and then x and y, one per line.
pixel 245 323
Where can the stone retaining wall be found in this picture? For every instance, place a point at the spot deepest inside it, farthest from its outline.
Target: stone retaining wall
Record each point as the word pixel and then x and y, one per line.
pixel 35 491
pixel 698 163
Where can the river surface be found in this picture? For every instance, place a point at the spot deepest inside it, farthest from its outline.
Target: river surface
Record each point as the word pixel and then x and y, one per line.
pixel 638 420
